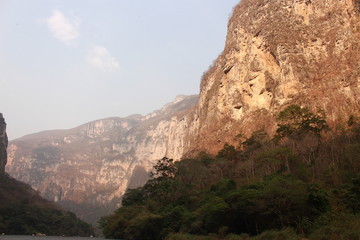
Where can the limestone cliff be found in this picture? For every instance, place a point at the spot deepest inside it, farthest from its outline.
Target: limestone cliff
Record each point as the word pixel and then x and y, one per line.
pixel 3 144
pixel 87 169
pixel 278 53
pixel 19 201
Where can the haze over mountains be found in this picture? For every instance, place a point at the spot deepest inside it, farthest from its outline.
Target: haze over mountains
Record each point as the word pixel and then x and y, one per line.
pixel 87 169
pixel 277 53
pixel 24 211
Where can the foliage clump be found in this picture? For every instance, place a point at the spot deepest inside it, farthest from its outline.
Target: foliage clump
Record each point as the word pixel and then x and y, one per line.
pixel 24 212
pixel 291 186
pixel 294 121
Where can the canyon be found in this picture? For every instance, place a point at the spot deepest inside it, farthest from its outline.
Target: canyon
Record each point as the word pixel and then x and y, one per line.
pixel 277 53
pixel 24 211
pixel 87 169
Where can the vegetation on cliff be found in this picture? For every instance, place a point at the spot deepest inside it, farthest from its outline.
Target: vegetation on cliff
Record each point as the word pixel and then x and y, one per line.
pixel 24 212
pixel 303 182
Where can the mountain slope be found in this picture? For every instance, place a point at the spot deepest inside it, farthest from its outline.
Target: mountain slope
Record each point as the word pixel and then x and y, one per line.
pixel 23 211
pixel 278 53
pixel 88 168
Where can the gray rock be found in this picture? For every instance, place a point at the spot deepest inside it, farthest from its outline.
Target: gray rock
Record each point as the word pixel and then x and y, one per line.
pixel 3 144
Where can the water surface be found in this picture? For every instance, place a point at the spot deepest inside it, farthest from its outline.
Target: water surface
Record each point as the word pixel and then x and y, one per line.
pixel 18 237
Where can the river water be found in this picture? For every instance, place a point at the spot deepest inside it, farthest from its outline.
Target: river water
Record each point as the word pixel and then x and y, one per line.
pixel 14 237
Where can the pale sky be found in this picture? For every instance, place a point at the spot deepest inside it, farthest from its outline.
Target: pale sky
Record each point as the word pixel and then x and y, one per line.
pixel 67 62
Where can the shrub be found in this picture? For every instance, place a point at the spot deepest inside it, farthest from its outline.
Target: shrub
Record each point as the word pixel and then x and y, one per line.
pixel 184 236
pixel 285 234
pixel 335 226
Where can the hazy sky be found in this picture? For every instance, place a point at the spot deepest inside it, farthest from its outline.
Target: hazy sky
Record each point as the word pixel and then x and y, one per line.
pixel 67 62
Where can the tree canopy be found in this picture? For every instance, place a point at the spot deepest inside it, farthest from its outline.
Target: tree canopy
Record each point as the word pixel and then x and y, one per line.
pixel 261 189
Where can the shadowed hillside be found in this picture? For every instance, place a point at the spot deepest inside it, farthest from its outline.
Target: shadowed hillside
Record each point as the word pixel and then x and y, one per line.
pixel 23 211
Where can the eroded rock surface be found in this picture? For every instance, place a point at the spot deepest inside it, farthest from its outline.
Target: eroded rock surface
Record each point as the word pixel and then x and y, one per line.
pixel 87 169
pixel 278 53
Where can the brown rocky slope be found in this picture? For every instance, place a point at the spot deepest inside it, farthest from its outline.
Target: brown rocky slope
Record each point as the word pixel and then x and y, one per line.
pixel 87 169
pixel 278 53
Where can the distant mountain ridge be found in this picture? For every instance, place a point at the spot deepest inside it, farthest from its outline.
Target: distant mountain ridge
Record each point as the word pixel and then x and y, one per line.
pixel 88 168
pixel 277 53
pixel 24 211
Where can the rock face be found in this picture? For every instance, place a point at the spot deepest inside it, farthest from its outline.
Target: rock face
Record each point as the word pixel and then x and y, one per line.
pixel 3 145
pixel 87 169
pixel 278 53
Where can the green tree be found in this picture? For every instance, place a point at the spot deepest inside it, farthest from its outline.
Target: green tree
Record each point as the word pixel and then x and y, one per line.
pixel 133 196
pixel 228 152
pixel 145 227
pixel 214 214
pixel 275 160
pixel 352 161
pixel 295 120
pixel 351 195
pixel 257 140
